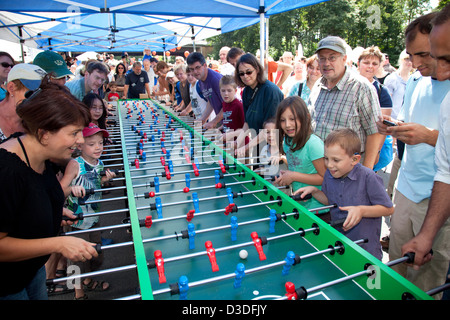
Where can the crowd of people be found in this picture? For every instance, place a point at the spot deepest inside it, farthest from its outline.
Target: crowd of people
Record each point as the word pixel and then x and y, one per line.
pixel 332 121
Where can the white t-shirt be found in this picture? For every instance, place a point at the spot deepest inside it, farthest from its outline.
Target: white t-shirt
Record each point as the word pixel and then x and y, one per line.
pixel 442 154
pixel 198 103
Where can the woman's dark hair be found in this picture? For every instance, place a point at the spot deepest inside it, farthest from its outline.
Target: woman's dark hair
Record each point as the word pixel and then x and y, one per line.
pixel 117 70
pixel 88 100
pixel 6 54
pixel 300 111
pixel 250 59
pixel 50 108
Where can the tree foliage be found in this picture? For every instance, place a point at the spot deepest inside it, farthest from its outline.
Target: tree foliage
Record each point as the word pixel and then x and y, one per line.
pixel 360 22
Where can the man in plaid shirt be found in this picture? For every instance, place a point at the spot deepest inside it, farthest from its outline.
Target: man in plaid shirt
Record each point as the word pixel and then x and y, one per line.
pixel 344 99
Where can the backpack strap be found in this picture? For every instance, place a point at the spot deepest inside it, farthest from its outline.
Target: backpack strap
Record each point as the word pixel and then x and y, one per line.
pixel 300 89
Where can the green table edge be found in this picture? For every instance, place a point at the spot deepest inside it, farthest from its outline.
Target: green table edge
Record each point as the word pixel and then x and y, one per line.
pixel 141 260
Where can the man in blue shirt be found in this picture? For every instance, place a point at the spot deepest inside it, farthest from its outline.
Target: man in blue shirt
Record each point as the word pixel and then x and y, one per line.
pixel 94 77
pixel 418 129
pixel 438 214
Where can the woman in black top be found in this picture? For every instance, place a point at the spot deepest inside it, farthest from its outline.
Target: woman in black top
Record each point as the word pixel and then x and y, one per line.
pixel 31 197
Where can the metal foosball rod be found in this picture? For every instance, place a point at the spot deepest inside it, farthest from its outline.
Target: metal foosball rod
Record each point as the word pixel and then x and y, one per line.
pixel 302 293
pixel 174 288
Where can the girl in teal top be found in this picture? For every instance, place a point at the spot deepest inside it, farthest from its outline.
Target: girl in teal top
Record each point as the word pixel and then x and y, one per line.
pixel 304 150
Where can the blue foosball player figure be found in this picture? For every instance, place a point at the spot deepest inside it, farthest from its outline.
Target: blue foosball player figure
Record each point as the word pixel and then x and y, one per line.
pixel 273 219
pixel 183 286
pixel 289 262
pixel 234 226
pixel 240 273
pixel 191 233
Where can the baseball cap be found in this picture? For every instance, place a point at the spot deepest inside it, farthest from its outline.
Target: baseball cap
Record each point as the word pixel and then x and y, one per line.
pixel 170 74
pixel 333 43
pixel 30 75
pixel 93 129
pixel 52 62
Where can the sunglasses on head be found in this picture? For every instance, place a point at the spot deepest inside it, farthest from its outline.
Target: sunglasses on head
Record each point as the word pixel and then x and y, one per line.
pixel 6 65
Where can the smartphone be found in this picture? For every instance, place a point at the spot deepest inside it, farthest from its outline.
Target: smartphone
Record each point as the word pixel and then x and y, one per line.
pixel 389 123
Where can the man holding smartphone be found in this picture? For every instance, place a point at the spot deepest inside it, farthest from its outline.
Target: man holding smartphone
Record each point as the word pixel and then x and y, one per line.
pixel 418 128
pixel 438 212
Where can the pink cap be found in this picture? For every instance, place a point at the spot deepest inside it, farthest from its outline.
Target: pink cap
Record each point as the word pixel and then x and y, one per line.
pixel 93 129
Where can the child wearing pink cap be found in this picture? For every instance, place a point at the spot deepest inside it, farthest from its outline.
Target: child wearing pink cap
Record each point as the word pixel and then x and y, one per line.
pixel 81 174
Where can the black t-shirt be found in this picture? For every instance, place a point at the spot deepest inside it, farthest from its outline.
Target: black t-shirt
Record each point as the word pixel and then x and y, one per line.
pixel 31 208
pixel 184 92
pixel 136 84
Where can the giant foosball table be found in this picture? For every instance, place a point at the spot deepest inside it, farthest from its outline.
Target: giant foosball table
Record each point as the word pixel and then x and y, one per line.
pixel 206 226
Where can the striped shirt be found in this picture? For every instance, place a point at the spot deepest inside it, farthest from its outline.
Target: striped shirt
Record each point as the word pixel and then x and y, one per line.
pixel 353 103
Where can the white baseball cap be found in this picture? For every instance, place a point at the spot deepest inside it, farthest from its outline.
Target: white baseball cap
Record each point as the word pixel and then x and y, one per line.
pixel 170 74
pixel 29 74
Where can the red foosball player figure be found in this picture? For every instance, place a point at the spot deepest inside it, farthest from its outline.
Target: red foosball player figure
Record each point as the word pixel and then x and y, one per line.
pixel 166 168
pixel 222 167
pixel 196 172
pixel 212 256
pixel 190 215
pixel 148 221
pixel 258 245
pixel 159 261
pixel 229 209
pixel 291 294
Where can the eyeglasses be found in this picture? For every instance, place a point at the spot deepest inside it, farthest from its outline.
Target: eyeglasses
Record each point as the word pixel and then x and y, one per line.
pixel 249 72
pixel 6 65
pixel 99 79
pixel 97 108
pixel 195 68
pixel 330 58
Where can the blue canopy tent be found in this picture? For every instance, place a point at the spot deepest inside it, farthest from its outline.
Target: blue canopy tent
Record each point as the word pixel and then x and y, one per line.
pixel 100 32
pixel 185 21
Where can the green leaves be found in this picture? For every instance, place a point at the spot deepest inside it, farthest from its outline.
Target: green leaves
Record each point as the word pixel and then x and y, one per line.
pixel 360 22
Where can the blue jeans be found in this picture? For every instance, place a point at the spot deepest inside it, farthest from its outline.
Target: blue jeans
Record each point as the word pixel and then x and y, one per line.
pixel 35 290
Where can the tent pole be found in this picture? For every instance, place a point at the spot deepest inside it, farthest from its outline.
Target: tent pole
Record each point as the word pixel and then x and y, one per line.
pixel 193 38
pixel 164 49
pixel 21 44
pixel 262 31
pixel 267 38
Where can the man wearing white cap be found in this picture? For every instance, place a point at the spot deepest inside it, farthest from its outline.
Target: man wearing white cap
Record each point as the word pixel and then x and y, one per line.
pixel 23 77
pixel 54 65
pixel 147 54
pixel 343 99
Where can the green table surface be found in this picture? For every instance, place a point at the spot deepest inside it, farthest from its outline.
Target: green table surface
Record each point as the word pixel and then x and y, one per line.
pixel 266 284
